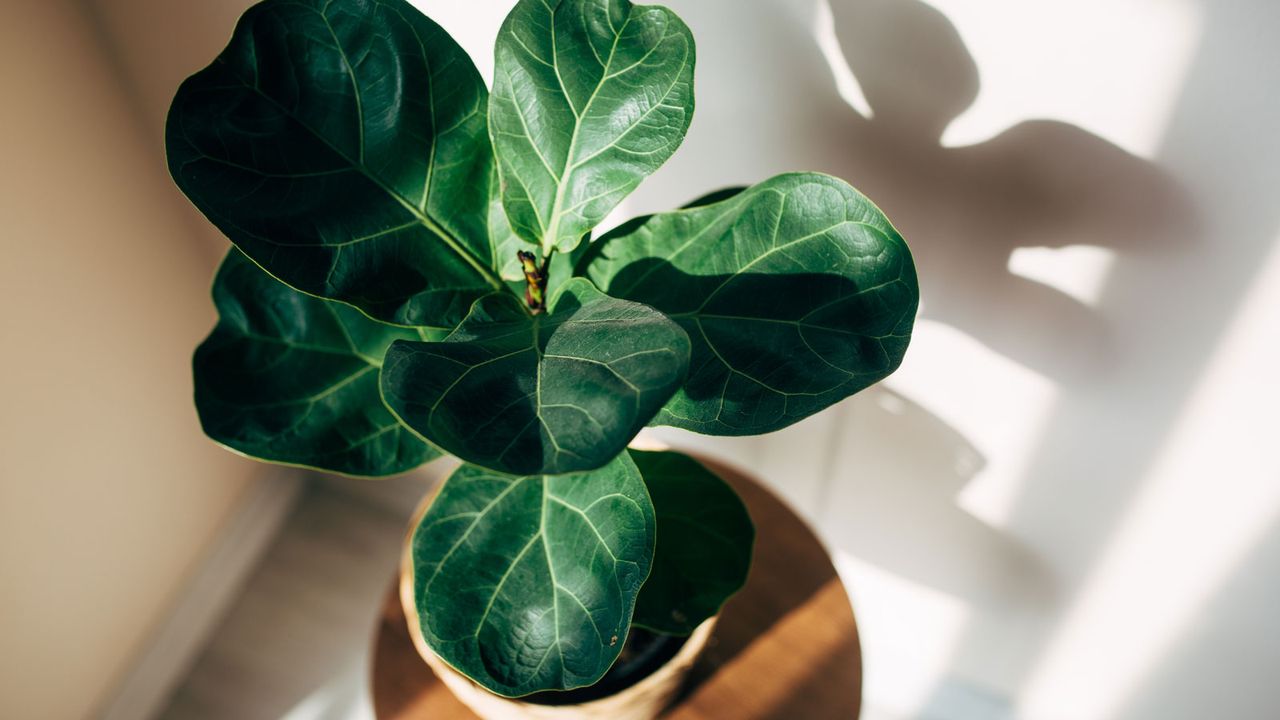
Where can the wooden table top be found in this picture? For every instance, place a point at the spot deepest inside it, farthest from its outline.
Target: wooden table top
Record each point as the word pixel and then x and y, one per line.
pixel 786 646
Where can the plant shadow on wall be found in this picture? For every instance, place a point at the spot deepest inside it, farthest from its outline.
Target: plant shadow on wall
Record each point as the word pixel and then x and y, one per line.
pixel 965 211
pixel 1040 183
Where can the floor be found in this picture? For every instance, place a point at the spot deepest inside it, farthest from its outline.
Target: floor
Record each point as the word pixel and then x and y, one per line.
pixel 295 645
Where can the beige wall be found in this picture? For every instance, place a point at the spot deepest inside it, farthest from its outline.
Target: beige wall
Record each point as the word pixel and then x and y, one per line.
pixel 109 494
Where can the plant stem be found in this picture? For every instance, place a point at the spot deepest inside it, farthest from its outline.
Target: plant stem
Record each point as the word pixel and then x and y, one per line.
pixel 535 276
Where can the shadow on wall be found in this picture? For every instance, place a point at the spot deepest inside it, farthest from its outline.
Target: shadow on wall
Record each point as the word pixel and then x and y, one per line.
pixel 964 210
pixel 1127 366
pixel 899 509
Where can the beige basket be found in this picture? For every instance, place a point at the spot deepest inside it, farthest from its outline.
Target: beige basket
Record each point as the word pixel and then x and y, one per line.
pixel 644 700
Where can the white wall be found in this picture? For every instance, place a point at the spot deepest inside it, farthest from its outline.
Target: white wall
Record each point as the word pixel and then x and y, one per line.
pixel 109 494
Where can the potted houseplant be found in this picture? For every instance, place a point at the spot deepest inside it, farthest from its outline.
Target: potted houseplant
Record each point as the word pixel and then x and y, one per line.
pixel 414 273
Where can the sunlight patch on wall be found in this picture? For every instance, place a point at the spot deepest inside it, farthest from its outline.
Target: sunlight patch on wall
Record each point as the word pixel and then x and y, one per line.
pixel 824 32
pixel 907 631
pixel 1078 270
pixel 953 376
pixel 1078 62
pixel 1210 496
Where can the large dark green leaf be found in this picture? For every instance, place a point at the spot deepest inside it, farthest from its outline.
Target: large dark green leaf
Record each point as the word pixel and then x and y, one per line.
pixel 553 393
pixel 342 144
pixel 589 98
pixel 704 543
pixel 796 293
pixel 290 378
pixel 528 583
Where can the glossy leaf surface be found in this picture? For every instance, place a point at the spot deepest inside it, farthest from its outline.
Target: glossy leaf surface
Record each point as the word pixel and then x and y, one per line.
pixel 529 583
pixel 290 378
pixel 795 293
pixel 704 544
pixel 344 147
pixel 589 98
pixel 553 393
pixel 504 241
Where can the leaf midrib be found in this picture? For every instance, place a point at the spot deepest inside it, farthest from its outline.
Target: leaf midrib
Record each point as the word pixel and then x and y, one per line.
pixel 569 164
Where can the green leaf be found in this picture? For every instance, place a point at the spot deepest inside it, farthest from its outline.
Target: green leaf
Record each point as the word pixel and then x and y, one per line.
pixel 704 545
pixel 527 394
pixel 587 253
pixel 505 243
pixel 589 98
pixel 343 146
pixel 796 293
pixel 293 379
pixel 528 583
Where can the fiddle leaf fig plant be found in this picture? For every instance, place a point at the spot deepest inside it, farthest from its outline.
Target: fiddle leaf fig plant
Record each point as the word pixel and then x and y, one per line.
pixel 416 271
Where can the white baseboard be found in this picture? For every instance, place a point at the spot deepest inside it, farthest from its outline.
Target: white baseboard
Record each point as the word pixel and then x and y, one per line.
pixel 174 647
